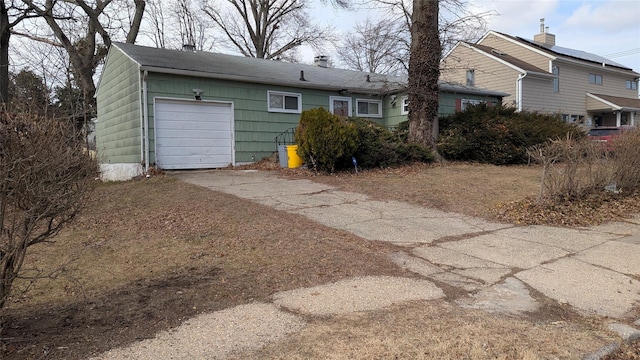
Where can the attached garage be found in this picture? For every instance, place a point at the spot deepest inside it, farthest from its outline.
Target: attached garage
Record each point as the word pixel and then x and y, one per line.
pixel 193 134
pixel 169 110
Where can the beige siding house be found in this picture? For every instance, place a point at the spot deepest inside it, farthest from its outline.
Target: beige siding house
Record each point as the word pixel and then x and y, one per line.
pixel 540 76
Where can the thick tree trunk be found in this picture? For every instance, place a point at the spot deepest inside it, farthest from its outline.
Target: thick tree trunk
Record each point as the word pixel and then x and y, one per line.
pixel 5 34
pixel 424 71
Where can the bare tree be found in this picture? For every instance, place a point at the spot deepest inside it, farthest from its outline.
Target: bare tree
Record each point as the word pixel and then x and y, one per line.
pixel 455 21
pixel 434 25
pixel 157 21
pixel 11 14
pixel 171 24
pixel 424 72
pixel 193 28
pixel 84 50
pixel 376 47
pixel 44 178
pixel 269 29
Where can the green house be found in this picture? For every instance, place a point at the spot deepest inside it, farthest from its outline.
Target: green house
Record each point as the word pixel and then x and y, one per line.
pixel 194 110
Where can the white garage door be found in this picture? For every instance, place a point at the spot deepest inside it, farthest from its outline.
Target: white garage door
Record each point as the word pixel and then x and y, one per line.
pixel 193 134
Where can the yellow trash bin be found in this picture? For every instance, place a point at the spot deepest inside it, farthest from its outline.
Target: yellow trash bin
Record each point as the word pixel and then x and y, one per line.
pixel 294 160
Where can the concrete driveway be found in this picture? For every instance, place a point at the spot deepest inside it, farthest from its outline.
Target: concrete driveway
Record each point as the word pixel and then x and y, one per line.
pixel 592 269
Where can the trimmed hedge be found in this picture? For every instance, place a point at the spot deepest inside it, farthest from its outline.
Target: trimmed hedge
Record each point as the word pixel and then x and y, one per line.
pixel 498 135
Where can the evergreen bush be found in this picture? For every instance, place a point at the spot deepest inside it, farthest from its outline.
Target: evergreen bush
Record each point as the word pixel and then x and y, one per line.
pixel 498 135
pixel 324 140
pixel 327 143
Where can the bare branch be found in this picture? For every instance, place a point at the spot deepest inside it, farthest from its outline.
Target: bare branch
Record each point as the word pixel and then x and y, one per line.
pixel 268 29
pixel 37 38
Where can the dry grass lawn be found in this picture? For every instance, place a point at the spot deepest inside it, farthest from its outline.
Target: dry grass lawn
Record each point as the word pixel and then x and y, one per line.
pixel 146 255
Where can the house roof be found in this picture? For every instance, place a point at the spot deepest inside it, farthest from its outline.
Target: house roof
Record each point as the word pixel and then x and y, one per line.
pixel 616 102
pixel 247 69
pixel 515 62
pixel 567 52
pixel 463 89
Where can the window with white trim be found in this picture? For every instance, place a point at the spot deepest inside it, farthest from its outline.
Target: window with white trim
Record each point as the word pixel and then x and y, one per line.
pixel 632 85
pixel 405 106
pixel 368 108
pixel 284 102
pixel 340 106
pixel 595 79
pixel 556 80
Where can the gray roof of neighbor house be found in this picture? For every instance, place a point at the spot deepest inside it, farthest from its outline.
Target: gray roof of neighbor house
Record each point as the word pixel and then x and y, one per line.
pixel 463 89
pixel 247 69
pixel 572 53
pixel 620 102
pixel 253 70
pixel 523 65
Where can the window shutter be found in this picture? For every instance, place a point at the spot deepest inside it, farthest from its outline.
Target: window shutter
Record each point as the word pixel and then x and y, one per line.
pixel 458 105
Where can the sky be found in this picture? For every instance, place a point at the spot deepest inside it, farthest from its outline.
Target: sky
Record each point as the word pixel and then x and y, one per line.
pixel 608 28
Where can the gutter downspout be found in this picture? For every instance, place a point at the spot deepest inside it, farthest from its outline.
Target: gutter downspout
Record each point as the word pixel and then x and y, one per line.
pixel 145 116
pixel 519 91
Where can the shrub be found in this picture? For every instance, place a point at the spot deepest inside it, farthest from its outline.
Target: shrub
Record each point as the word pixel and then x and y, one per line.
pixel 45 176
pixel 575 168
pixel 571 169
pixel 498 135
pixel 380 147
pixel 325 140
pixel 625 160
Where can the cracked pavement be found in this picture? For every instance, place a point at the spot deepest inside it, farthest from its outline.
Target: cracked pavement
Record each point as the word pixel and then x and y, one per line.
pixel 593 270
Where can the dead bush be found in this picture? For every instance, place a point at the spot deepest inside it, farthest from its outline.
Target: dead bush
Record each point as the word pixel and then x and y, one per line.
pixel 571 168
pixel 45 174
pixel 625 160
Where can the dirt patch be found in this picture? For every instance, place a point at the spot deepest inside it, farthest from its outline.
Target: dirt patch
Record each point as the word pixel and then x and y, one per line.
pixel 147 255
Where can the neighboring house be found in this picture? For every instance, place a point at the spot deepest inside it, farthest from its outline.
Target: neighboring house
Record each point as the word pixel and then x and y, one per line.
pixel 189 110
pixel 584 88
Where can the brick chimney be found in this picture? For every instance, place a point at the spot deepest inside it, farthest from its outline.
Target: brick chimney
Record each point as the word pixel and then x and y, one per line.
pixel 544 37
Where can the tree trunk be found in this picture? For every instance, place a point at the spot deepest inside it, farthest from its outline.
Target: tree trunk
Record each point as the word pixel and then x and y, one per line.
pixel 5 34
pixel 424 71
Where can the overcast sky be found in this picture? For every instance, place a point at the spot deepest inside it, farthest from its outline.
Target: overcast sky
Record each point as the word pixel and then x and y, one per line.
pixel 607 27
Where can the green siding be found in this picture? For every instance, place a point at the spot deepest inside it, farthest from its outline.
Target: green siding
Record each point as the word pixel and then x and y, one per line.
pixel 446 105
pixel 255 127
pixel 118 136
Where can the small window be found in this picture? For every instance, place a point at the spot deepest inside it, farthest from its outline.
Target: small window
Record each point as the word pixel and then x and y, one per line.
pixel 405 106
pixel 556 80
pixel 471 77
pixel 284 102
pixel 368 108
pixel 595 79
pixel 340 106
pixel 632 85
pixel 467 102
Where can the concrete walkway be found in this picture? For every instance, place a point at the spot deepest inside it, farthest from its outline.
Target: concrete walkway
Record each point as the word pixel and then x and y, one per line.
pixel 594 270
